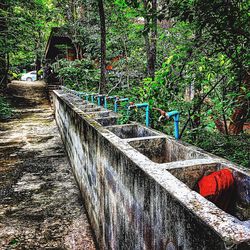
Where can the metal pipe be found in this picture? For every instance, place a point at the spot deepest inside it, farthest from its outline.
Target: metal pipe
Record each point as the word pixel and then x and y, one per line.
pixel 117 101
pixel 91 95
pixel 176 116
pixel 141 105
pixel 92 98
pixel 109 98
pixel 105 102
pixel 167 115
pixel 99 100
pixel 87 98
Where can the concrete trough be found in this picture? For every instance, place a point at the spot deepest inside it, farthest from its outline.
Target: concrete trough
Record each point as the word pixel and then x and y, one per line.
pixel 108 121
pixel 138 186
pixel 91 109
pixel 102 114
pixel 104 117
pixel 131 131
pixel 89 105
pixel 163 150
pixel 239 205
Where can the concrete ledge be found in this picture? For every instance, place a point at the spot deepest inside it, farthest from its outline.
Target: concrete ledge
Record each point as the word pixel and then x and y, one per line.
pixel 138 183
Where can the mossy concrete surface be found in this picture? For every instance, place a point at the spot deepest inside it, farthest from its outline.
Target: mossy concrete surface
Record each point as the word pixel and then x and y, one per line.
pixel 139 185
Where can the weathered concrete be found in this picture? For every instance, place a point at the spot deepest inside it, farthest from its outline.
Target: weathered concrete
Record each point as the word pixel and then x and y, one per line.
pixel 137 185
pixel 40 202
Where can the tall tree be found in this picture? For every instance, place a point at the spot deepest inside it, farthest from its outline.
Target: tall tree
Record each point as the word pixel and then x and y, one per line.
pixel 149 13
pixel 102 86
pixel 224 27
pixel 153 43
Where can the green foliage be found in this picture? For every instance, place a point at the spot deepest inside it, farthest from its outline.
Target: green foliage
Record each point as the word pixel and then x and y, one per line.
pixel 78 74
pixel 202 57
pixel 5 109
pixel 26 26
pixel 233 148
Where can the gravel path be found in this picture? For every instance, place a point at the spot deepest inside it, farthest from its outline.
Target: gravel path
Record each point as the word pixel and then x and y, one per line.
pixel 40 203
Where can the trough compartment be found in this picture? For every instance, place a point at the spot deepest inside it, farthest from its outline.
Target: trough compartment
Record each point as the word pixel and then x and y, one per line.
pixel 164 150
pixel 75 101
pixel 88 105
pixel 239 202
pixel 101 114
pixel 107 121
pixel 131 131
pixel 88 109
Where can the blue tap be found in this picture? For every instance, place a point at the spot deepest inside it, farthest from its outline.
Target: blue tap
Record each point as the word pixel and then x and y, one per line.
pixel 167 115
pixel 141 105
pixel 117 101
pixel 92 98
pixel 109 98
pixel 105 102
pixel 99 97
pixel 91 95
pixel 87 98
pixel 176 116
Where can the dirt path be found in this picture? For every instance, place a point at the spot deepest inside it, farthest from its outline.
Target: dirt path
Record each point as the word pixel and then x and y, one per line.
pixel 40 204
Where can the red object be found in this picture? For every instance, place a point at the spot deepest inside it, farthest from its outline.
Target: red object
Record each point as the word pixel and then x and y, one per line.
pixel 217 187
pixel 216 182
pixel 109 67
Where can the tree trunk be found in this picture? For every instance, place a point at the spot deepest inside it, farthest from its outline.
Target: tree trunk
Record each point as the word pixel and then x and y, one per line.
pixel 102 86
pixel 146 32
pixel 150 30
pixel 152 52
pixel 240 114
pixel 238 119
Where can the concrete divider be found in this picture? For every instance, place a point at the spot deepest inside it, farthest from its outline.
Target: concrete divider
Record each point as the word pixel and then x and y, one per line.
pixel 137 184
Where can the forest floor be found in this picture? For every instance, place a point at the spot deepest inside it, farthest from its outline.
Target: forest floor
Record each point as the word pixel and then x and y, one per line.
pixel 40 203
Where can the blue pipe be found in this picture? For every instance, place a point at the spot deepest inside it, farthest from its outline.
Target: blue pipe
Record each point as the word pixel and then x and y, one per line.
pixel 91 96
pixel 99 100
pixel 109 98
pixel 142 105
pixel 176 116
pixel 119 100
pixel 105 102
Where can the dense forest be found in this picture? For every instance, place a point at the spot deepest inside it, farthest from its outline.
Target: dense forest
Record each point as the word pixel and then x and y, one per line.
pixel 186 55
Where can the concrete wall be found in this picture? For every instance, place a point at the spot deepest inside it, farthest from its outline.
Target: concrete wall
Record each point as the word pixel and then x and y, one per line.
pixel 134 189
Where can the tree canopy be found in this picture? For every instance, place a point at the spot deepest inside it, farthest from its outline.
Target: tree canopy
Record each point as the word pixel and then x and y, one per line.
pixel 192 56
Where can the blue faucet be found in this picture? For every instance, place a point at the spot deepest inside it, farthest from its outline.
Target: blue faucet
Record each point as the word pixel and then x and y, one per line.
pixel 109 98
pixel 117 101
pixel 99 97
pixel 141 105
pixel 167 115
pixel 176 116
pixel 91 95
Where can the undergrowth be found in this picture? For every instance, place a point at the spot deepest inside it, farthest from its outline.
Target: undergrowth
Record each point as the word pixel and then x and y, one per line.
pixel 235 148
pixel 5 109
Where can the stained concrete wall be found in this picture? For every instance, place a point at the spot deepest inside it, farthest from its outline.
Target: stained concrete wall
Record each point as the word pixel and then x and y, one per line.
pixel 140 201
